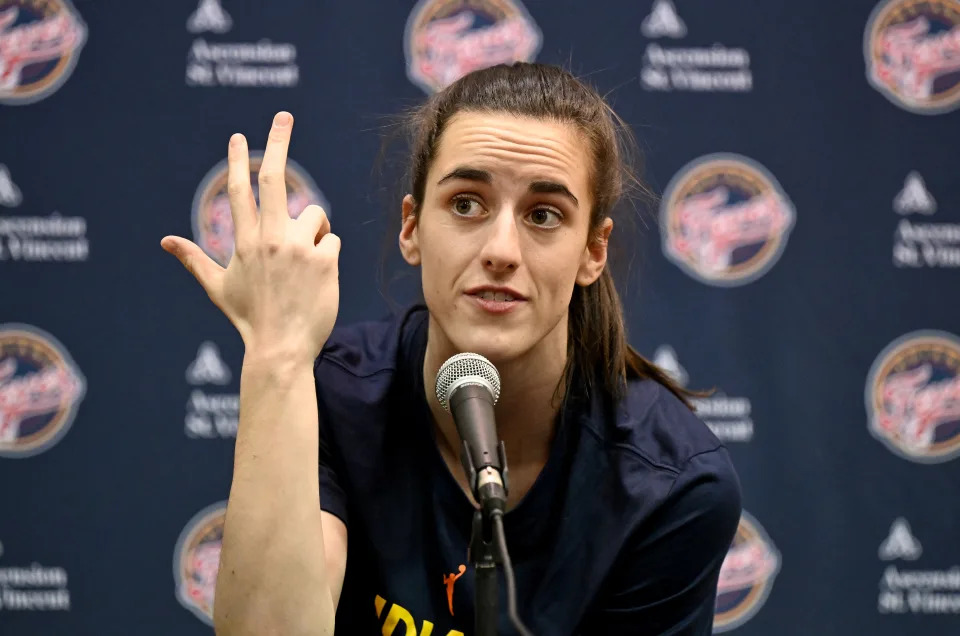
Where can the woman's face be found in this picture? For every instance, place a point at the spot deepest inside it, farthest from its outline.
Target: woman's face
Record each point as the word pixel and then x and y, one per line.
pixel 506 205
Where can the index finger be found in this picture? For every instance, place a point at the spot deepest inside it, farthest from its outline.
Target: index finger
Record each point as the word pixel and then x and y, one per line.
pixel 272 177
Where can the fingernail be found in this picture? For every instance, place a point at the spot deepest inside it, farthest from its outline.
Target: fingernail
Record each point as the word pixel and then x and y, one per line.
pixel 236 139
pixel 282 119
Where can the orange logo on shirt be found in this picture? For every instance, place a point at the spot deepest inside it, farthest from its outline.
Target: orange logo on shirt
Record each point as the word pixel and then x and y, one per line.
pixel 449 580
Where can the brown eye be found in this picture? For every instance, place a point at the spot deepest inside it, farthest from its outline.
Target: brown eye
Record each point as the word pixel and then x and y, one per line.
pixel 463 206
pixel 541 218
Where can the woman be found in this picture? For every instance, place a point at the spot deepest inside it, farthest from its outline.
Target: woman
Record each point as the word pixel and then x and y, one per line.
pixel 622 504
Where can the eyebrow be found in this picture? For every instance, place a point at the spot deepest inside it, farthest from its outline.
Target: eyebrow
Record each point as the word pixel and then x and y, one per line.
pixel 539 187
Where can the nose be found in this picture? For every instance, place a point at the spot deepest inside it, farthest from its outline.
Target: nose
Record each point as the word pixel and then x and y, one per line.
pixel 501 249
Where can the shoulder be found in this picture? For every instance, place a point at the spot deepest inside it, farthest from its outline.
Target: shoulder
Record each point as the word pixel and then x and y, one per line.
pixel 361 360
pixel 681 482
pixel 366 348
pixel 652 424
pixel 663 458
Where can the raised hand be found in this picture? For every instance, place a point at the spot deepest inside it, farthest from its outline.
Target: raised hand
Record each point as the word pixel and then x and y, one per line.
pixel 281 287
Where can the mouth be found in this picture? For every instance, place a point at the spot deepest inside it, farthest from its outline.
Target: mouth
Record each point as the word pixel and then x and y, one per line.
pixel 495 302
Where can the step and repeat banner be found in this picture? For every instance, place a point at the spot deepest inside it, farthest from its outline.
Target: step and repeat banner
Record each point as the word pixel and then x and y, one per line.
pixel 802 259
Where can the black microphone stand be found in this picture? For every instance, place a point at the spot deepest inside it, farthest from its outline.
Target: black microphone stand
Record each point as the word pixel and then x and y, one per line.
pixel 483 551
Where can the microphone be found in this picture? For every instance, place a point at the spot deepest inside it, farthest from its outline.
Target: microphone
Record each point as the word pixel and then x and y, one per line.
pixel 468 386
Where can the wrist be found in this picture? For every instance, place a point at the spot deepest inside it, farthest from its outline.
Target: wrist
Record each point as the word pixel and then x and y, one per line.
pixel 281 360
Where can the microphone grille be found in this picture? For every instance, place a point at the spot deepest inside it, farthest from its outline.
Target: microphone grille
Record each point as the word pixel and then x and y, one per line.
pixel 466 368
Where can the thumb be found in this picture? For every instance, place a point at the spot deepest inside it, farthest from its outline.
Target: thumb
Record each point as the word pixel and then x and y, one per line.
pixel 203 268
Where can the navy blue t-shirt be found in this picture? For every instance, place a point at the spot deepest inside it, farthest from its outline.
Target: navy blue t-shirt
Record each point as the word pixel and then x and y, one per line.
pixel 623 532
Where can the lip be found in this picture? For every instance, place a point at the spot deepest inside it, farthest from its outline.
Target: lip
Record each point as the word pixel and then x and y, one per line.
pixel 495 306
pixel 496 288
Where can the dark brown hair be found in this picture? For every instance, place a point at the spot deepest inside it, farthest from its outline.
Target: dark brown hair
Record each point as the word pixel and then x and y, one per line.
pixel 597 340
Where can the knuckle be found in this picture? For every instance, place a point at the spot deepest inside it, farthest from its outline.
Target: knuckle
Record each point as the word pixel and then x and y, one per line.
pixel 311 214
pixel 236 188
pixel 270 177
pixel 278 134
pixel 330 247
pixel 303 215
pixel 300 251
pixel 271 246
pixel 241 249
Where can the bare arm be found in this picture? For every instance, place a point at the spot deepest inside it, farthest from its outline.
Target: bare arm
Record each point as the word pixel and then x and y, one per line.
pixel 282 559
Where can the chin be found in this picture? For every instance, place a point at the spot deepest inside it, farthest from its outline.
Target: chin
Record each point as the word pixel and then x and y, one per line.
pixel 499 341
pixel 497 347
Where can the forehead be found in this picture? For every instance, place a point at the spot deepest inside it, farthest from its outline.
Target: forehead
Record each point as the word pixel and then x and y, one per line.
pixel 512 147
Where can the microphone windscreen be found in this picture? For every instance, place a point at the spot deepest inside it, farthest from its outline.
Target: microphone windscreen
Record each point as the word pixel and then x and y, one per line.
pixel 466 368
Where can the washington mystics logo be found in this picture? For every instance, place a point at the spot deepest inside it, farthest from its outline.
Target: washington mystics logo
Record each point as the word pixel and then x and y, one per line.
pixel 40 390
pixel 725 220
pixel 913 396
pixel 212 223
pixel 196 561
pixel 40 41
pixel 912 51
pixel 446 39
pixel 746 575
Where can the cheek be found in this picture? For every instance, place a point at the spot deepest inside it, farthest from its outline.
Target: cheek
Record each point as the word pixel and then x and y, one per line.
pixel 555 268
pixel 446 240
pixel 443 257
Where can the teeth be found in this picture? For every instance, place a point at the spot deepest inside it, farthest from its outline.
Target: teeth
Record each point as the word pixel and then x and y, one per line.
pixel 497 296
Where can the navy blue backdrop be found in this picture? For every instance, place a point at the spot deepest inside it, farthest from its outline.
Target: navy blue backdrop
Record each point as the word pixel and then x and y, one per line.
pixel 802 258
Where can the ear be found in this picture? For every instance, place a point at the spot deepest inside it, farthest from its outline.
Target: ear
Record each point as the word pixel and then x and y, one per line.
pixel 409 240
pixel 595 255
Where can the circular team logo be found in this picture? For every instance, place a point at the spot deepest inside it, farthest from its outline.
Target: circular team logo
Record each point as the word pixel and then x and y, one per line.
pixel 725 220
pixel 445 40
pixel 212 223
pixel 746 575
pixel 40 390
pixel 912 51
pixel 40 41
pixel 913 396
pixel 196 560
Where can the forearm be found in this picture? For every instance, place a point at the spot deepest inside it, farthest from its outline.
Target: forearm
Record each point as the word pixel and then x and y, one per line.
pixel 272 577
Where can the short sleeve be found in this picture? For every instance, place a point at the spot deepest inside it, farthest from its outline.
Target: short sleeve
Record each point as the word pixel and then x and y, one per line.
pixel 665 578
pixel 333 499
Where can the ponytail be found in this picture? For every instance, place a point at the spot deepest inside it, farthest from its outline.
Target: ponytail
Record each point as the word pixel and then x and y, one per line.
pixel 597 343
